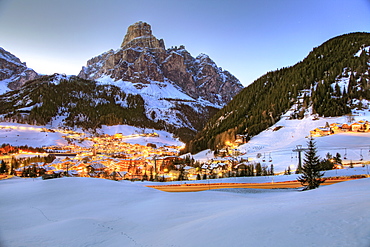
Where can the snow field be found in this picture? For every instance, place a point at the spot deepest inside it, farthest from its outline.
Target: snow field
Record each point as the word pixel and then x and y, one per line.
pixel 97 212
pixel 156 96
pixel 23 134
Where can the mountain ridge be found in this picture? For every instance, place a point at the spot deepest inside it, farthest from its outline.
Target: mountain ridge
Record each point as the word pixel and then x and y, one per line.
pixel 143 59
pixel 13 73
pixel 154 87
pixel 328 79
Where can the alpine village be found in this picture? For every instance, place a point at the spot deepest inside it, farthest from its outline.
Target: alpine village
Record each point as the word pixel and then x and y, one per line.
pixel 144 112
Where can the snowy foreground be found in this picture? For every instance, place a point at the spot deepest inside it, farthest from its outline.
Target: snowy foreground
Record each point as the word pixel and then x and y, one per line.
pixel 97 212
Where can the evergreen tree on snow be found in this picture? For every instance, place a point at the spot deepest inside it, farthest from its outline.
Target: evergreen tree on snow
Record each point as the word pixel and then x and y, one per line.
pixel 311 175
pixel 3 167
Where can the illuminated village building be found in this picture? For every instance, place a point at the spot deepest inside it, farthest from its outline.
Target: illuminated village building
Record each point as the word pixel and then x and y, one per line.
pixel 334 128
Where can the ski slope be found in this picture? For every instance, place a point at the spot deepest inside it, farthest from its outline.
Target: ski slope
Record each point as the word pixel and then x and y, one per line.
pixel 278 145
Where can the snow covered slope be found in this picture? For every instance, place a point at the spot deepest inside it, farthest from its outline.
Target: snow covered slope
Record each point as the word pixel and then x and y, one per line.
pixel 35 136
pixel 277 145
pixel 164 101
pixel 98 212
pixel 330 79
pixel 73 102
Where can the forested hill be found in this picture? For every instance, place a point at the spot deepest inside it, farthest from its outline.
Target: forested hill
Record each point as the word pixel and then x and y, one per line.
pixel 72 102
pixel 77 102
pixel 328 79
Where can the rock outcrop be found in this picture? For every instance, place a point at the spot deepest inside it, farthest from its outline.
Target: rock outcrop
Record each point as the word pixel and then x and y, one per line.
pixel 143 59
pixel 140 35
pixel 14 73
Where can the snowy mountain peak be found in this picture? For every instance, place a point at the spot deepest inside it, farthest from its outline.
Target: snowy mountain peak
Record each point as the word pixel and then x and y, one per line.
pixel 143 59
pixel 203 57
pixel 177 88
pixel 13 73
pixel 5 55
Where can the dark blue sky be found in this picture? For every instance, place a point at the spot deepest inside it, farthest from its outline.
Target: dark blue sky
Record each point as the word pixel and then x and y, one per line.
pixel 247 38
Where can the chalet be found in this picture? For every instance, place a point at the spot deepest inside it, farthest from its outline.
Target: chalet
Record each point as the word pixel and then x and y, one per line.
pixel 241 138
pixel 365 126
pixel 190 170
pixel 73 173
pixel 336 127
pixel 166 177
pixel 19 171
pixel 241 169
pixel 95 169
pixel 355 127
pixel 154 134
pixel 122 175
pixel 223 152
pixel 217 169
pixel 168 161
pixel 80 167
pixel 360 126
pixel 345 128
pixel 320 131
pixel 204 166
pixel 126 164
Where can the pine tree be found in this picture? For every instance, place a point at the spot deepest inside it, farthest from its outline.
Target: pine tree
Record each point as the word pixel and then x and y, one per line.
pixel 299 168
pixel 311 175
pixel 338 158
pixel 258 169
pixel 272 170
pixel 3 167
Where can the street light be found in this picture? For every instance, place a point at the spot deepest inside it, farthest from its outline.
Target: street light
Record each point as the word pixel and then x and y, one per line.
pixel 155 167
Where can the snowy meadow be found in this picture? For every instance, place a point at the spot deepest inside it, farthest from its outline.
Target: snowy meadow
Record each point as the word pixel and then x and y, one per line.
pixel 98 212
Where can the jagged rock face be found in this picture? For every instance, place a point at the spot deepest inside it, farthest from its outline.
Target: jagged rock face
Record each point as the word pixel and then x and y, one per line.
pixel 13 72
pixel 143 58
pixel 140 35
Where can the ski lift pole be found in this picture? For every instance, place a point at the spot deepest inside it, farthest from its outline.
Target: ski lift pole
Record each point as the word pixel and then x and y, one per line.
pixel 299 150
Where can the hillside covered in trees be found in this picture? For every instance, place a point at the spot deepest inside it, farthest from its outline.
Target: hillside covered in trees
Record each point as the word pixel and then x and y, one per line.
pixel 81 103
pixel 328 80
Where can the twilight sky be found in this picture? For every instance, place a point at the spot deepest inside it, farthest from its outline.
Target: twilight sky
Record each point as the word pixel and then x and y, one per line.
pixel 246 37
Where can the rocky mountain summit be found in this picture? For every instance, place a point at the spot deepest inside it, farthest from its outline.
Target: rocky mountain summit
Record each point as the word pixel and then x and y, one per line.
pixel 140 35
pixel 143 59
pixel 141 84
pixel 13 73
